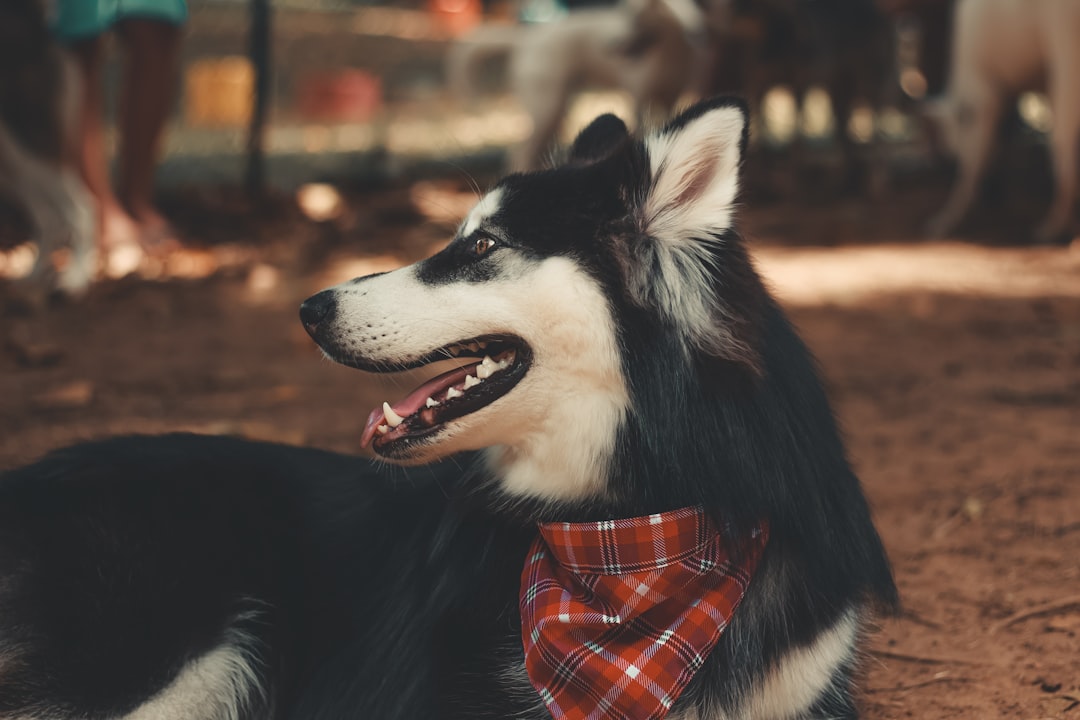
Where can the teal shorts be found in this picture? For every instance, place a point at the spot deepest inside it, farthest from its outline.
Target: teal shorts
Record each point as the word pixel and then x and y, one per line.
pixel 80 19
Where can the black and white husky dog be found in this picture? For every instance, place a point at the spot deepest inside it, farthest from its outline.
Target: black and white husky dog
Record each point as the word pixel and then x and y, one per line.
pixel 612 354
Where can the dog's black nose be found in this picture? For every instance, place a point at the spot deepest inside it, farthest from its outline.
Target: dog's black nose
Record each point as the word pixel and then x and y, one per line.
pixel 316 309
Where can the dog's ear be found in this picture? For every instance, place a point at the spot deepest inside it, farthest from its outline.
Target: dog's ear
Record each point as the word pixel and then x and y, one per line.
pixel 694 172
pixel 598 140
pixel 686 261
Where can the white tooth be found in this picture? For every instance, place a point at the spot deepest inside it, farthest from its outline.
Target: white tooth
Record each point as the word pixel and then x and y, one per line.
pixel 392 418
pixel 431 402
pixel 503 364
pixel 486 368
pixel 470 381
pixel 453 393
pixel 383 429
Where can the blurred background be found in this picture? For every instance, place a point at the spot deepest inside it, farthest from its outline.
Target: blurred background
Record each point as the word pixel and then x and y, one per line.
pixel 304 142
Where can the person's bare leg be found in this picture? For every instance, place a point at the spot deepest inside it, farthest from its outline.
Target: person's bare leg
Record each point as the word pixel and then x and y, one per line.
pixel 116 228
pixel 152 50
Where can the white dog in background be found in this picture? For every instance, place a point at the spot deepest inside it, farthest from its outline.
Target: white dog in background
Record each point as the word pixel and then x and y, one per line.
pixel 41 86
pixel 1001 49
pixel 653 49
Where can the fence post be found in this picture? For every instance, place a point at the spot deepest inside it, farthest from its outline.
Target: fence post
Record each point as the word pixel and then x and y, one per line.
pixel 259 47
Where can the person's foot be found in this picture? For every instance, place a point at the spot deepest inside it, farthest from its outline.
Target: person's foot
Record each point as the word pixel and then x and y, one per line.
pixel 121 247
pixel 156 235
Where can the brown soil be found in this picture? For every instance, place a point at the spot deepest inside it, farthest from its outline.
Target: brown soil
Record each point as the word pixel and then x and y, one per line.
pixel 955 369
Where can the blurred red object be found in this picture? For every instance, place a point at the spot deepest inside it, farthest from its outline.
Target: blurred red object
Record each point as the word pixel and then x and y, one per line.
pixel 456 16
pixel 340 96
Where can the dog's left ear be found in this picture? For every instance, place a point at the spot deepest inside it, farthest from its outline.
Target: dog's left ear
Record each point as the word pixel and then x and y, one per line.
pixel 694 166
pixel 686 263
pixel 598 140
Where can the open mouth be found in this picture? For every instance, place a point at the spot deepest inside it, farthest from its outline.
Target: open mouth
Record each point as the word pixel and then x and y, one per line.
pixel 499 364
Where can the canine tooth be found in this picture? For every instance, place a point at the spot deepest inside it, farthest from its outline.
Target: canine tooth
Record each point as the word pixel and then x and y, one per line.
pixel 383 429
pixel 486 368
pixel 470 381
pixel 392 418
pixel 431 402
pixel 453 393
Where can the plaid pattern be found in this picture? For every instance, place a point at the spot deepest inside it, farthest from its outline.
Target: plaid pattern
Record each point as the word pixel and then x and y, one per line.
pixel 618 615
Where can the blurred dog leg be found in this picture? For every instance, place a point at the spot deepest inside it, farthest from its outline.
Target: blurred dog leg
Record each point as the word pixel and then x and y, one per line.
pixel 1065 134
pixel 1002 49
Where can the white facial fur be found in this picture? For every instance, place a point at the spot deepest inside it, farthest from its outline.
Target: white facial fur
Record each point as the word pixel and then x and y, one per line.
pixel 552 435
pixel 488 206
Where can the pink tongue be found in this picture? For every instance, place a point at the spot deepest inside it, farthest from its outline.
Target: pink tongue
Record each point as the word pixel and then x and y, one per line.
pixel 417 399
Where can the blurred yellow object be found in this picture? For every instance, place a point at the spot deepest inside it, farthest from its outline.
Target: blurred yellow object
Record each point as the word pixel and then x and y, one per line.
pixel 219 91
pixel 1035 110
pixel 320 201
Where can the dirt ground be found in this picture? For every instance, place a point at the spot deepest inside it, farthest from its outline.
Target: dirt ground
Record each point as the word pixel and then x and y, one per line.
pixel 954 367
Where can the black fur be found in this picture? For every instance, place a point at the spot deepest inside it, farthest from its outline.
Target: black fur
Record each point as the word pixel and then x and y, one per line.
pixel 381 592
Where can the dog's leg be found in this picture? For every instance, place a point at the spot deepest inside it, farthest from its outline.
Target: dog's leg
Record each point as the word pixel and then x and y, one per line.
pixel 1064 138
pixel 76 208
pixel 882 85
pixel 546 107
pixel 61 212
pixel 22 177
pixel 542 81
pixel 843 95
pixel 224 684
pixel 977 121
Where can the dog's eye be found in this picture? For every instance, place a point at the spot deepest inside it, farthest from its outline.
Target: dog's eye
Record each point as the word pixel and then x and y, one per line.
pixel 483 244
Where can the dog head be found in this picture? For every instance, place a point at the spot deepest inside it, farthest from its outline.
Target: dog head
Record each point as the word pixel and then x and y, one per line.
pixel 564 295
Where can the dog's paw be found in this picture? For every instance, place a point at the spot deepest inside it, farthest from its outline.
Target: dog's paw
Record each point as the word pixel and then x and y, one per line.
pixel 73 284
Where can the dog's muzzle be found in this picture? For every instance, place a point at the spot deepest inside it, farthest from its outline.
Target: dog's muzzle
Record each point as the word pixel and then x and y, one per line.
pixel 316 310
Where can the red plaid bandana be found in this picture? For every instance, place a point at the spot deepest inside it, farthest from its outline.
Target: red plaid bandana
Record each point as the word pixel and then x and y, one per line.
pixel 618 615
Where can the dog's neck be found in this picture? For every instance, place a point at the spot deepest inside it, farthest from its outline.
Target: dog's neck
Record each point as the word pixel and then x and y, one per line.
pixel 566 462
